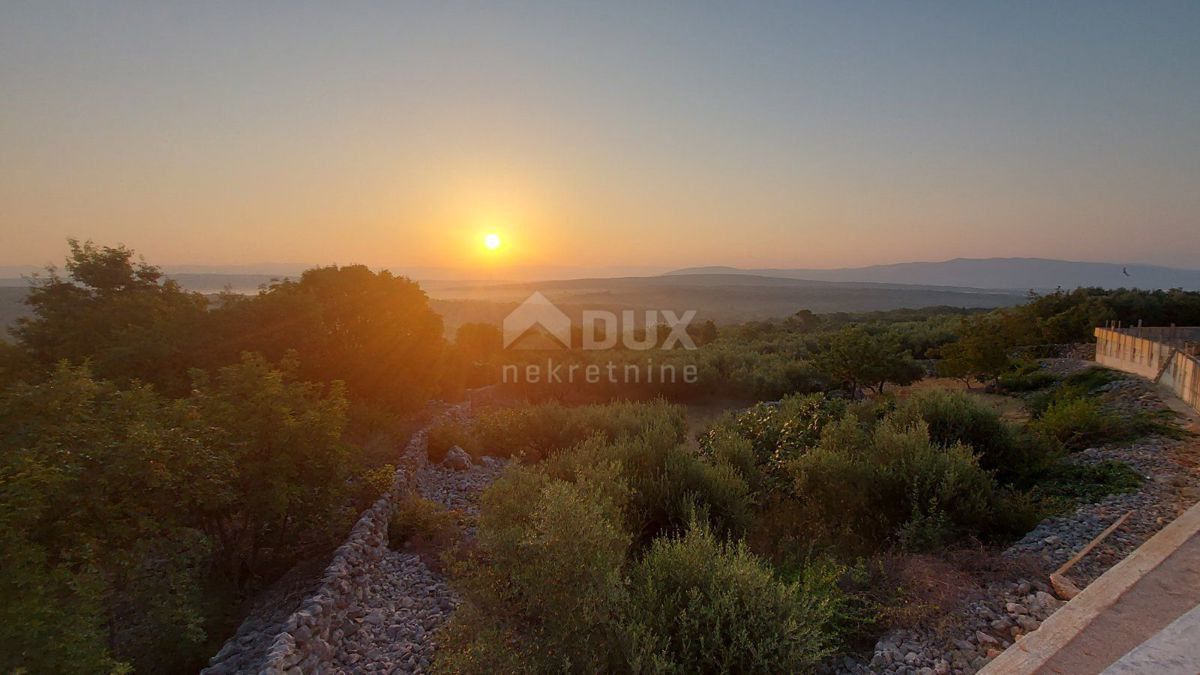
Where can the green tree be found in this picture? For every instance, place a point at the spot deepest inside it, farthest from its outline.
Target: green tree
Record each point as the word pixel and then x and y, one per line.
pixel 980 353
pixel 123 316
pixel 287 465
pixel 130 522
pixel 479 342
pixel 856 358
pixel 372 330
pixel 97 541
pixel 702 333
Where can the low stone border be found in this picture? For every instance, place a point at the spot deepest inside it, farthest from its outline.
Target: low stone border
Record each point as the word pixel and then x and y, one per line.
pixel 304 643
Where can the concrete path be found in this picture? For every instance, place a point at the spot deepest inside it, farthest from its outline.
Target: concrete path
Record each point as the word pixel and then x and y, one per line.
pixel 1172 651
pixel 1140 612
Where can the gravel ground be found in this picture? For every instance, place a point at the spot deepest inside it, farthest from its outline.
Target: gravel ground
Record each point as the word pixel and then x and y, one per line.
pixel 990 619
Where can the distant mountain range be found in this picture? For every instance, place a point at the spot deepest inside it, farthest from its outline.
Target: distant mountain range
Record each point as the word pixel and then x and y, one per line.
pixel 728 294
pixel 721 297
pixel 1007 274
pixel 995 273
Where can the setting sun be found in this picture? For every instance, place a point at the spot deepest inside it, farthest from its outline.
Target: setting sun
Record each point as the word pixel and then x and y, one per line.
pixel 492 241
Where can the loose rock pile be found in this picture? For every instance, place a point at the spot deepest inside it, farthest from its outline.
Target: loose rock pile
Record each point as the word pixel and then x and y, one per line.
pixel 988 624
pixel 390 629
pixel 387 630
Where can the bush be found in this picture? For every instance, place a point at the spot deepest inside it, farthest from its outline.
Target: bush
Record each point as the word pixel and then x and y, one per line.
pixel 372 484
pixel 544 590
pixel 447 433
pixel 954 417
pixel 668 483
pixel 534 432
pixel 778 433
pixel 1067 485
pixel 1077 423
pixel 864 488
pixel 1012 453
pixel 426 528
pixel 1082 384
pixel 1026 376
pixel 417 517
pixel 702 605
pixel 724 447
pixel 1091 379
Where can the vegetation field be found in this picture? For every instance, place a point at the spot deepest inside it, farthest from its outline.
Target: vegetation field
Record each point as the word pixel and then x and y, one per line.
pixel 166 455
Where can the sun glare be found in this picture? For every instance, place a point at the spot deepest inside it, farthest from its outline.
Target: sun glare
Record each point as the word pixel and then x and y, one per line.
pixel 492 241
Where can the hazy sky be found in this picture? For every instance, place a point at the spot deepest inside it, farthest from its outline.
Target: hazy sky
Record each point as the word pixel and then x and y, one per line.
pixel 594 134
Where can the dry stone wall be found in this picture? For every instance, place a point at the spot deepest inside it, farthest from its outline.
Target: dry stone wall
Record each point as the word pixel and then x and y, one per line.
pixel 307 640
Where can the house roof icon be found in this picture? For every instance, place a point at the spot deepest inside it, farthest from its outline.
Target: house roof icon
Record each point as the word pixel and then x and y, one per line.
pixel 537 316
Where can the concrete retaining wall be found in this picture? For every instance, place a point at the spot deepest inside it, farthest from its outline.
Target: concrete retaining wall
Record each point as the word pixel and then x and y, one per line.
pixel 1167 364
pixel 1183 377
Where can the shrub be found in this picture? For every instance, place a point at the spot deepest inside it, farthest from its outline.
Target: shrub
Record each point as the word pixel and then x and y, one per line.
pixel 534 432
pixel 867 487
pixel 426 528
pixel 1067 485
pixel 912 590
pixel 1077 423
pixel 702 605
pixel 1012 453
pixel 778 433
pixel 954 417
pixel 1090 379
pixel 1072 415
pixel 544 590
pixel 372 484
pixel 781 530
pixel 416 517
pixel 723 447
pixel 447 433
pixel 1081 384
pixel 1026 376
pixel 668 482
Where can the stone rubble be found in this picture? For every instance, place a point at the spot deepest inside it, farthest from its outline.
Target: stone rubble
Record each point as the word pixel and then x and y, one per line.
pixel 375 609
pixel 457 459
pixel 404 602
